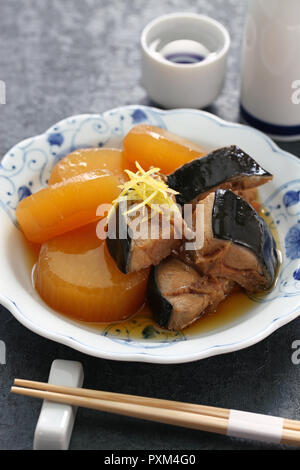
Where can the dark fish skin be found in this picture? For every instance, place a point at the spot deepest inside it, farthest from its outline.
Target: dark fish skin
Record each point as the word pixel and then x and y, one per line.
pixel 217 169
pixel 159 305
pixel 235 220
pixel 120 248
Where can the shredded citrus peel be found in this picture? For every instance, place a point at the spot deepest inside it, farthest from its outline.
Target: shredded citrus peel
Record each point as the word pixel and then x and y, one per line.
pixel 149 190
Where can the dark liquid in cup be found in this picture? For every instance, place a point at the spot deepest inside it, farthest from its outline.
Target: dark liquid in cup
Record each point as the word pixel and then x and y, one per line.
pixel 184 58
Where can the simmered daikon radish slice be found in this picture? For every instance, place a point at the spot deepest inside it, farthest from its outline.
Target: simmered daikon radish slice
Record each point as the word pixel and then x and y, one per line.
pixel 75 275
pixel 108 160
pixel 153 146
pixel 65 206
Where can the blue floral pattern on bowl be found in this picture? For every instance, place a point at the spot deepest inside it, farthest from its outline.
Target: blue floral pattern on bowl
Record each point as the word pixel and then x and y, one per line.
pixel 63 138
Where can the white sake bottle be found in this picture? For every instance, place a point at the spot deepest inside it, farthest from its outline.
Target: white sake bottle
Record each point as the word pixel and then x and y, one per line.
pixel 270 74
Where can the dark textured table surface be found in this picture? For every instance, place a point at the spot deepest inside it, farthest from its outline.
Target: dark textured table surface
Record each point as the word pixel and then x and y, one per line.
pixel 76 56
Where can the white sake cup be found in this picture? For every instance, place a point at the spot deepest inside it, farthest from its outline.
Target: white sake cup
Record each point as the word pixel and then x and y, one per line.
pixel 184 85
pixel 270 85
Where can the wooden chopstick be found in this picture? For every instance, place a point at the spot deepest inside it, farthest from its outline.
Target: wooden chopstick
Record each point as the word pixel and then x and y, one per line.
pixel 169 404
pixel 205 418
pixel 151 413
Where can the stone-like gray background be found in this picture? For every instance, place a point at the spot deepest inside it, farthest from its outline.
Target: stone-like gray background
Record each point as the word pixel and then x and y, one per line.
pixel 60 58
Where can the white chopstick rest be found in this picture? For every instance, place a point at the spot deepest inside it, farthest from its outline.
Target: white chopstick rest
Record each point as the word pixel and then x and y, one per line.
pixel 255 426
pixel 56 420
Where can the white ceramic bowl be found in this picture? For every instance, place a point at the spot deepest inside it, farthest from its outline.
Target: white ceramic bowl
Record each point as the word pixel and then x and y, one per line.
pixel 175 85
pixel 26 168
